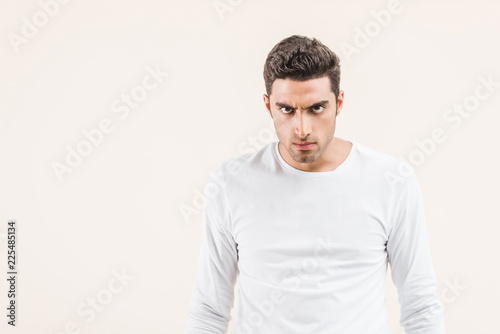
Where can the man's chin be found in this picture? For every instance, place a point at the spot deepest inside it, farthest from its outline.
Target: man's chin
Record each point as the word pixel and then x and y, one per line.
pixel 303 156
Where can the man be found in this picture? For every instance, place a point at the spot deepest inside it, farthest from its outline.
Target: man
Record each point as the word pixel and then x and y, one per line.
pixel 308 224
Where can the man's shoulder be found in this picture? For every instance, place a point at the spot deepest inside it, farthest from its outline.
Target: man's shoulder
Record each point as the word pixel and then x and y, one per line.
pixel 247 162
pixel 381 162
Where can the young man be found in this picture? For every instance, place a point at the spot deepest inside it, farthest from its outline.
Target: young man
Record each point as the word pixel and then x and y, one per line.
pixel 309 224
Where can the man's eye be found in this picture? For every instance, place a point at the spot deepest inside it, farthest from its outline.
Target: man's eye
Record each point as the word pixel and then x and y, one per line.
pixel 282 109
pixel 316 109
pixel 320 110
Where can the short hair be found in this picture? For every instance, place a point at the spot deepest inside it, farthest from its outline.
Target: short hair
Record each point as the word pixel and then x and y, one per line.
pixel 301 58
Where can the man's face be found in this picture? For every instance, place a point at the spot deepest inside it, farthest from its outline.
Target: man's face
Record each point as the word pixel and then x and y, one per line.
pixel 304 112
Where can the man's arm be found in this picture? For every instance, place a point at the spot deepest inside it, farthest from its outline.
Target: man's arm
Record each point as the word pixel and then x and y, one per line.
pixel 411 266
pixel 213 297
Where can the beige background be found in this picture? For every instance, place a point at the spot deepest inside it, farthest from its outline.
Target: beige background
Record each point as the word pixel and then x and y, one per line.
pixel 120 208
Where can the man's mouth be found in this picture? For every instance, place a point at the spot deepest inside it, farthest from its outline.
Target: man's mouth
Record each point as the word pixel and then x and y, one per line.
pixel 304 145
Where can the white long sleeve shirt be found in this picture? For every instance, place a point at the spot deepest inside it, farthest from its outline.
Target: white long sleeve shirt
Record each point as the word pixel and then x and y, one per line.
pixel 310 250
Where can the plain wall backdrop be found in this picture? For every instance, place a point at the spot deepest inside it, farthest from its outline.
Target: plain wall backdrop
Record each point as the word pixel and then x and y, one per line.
pixel 114 113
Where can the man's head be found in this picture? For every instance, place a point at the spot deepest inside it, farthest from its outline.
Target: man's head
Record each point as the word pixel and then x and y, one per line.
pixel 302 78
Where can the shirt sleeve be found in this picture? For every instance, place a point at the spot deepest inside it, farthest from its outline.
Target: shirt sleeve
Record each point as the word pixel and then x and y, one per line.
pixel 411 266
pixel 213 297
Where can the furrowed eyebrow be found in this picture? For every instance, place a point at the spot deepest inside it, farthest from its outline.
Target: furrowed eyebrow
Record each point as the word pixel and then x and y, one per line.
pixel 317 104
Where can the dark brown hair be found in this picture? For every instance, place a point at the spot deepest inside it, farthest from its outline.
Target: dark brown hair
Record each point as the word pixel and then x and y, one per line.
pixel 301 58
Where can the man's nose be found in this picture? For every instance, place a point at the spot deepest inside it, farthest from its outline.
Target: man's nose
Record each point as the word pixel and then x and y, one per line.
pixel 303 124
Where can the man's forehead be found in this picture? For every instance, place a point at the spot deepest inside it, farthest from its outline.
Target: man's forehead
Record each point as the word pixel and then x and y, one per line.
pixel 310 89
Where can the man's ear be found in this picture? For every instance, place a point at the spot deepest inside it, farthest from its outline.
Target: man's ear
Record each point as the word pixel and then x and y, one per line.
pixel 267 102
pixel 340 102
